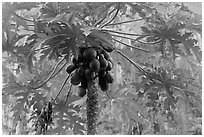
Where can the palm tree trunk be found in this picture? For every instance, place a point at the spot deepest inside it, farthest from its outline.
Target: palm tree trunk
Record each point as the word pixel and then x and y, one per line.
pixel 92 108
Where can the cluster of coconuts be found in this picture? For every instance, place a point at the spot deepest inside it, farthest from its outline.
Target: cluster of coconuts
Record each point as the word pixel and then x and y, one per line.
pixel 92 63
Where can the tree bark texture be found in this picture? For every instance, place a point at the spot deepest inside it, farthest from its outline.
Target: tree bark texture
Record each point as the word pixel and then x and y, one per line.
pixel 92 108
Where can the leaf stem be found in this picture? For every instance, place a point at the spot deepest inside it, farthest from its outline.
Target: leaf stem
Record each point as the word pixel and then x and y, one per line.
pixel 120 32
pixel 98 22
pixel 59 70
pixel 131 46
pixel 101 20
pixel 131 61
pixel 142 42
pixel 41 48
pixel 136 39
pixel 52 74
pixel 103 5
pixel 70 88
pixel 35 50
pixel 61 88
pixel 27 24
pixel 122 37
pixel 118 5
pixel 124 22
pixel 20 16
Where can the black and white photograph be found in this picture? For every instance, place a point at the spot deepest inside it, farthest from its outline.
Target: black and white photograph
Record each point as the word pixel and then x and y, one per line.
pixel 101 68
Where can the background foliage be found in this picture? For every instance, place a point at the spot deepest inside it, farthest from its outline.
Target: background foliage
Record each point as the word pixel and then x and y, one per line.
pixel 157 66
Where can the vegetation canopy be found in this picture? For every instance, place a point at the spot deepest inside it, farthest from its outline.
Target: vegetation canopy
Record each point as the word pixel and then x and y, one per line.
pixel 101 68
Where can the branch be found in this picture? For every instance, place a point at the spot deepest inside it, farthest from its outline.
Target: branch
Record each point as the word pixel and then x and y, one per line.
pixel 89 14
pixel 12 24
pixel 131 46
pixel 120 32
pixel 177 88
pixel 20 16
pixel 142 42
pixel 98 22
pixel 41 48
pixel 181 89
pixel 124 22
pixel 122 37
pixel 68 93
pixel 61 88
pixel 101 20
pixel 137 66
pixel 136 39
pixel 103 5
pixel 131 61
pixel 112 18
pixel 52 74
pixel 59 70
pixel 109 97
pixel 35 50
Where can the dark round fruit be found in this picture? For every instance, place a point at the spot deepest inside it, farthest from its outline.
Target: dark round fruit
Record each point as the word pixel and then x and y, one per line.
pixel 80 71
pixel 102 73
pixel 103 61
pixel 90 53
pixel 109 49
pixel 106 55
pixel 80 58
pixel 81 91
pixel 99 50
pixel 82 49
pixel 74 61
pixel 84 83
pixel 103 84
pixel 93 75
pixel 108 77
pixel 94 65
pixel 110 66
pixel 75 78
pixel 70 68
pixel 87 73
